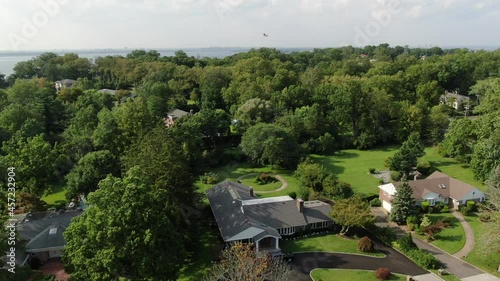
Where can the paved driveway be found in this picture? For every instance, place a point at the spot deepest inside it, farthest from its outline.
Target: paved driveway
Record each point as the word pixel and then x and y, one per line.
pixel 303 263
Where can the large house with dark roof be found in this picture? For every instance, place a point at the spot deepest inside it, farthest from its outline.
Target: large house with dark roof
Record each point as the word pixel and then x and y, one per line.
pixel 42 233
pixel 242 217
pixel 437 187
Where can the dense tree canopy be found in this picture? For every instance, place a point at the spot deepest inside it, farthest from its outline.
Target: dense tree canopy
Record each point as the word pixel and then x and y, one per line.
pixel 270 144
pixel 129 231
pixel 273 105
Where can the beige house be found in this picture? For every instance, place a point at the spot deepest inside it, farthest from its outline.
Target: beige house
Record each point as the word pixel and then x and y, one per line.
pixel 438 187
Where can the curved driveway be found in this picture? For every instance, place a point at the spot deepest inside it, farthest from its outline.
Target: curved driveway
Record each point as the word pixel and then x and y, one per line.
pixel 303 263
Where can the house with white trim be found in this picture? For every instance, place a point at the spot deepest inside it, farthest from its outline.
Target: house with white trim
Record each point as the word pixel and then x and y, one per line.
pixel 42 234
pixel 437 187
pixel 242 217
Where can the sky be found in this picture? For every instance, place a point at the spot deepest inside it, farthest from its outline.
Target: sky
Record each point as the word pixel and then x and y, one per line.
pixel 156 24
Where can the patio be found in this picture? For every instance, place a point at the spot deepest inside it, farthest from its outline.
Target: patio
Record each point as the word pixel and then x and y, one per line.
pixel 54 267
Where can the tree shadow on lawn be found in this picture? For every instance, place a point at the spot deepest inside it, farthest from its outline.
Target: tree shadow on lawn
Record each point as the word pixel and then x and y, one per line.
pixel 453 238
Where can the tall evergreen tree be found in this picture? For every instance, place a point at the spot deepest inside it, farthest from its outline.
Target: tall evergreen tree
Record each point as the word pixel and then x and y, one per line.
pixel 406 157
pixel 403 204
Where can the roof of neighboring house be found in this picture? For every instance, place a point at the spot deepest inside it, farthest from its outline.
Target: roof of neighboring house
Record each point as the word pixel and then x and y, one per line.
pixel 107 91
pixel 177 113
pixel 241 216
pixel 456 95
pixel 35 223
pixel 51 237
pixel 437 183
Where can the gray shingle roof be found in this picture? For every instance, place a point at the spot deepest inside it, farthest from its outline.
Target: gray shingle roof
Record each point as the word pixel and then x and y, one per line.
pixel 241 216
pixel 51 237
pixel 35 223
pixel 316 211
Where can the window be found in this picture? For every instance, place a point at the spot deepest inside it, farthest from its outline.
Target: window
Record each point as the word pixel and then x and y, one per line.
pixel 286 230
pixel 319 224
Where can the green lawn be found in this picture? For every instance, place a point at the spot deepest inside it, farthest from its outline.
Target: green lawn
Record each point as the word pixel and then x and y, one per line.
pixel 352 166
pixel 234 171
pixel 250 181
pixel 326 243
pixel 451 167
pixel 59 194
pixel 489 262
pixel 450 239
pixel 321 274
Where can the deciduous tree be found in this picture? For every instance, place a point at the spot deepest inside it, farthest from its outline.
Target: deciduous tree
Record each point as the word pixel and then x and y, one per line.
pixel 351 212
pixel 270 144
pixel 130 231
pixel 239 262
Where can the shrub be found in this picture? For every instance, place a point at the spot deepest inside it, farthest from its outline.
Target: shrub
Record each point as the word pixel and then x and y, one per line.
pixel 365 244
pixel 304 193
pixel 381 181
pixel 413 220
pixel 425 206
pixel 209 178
pixel 372 170
pixel 293 194
pixel 425 222
pixel 406 243
pixel 382 273
pixel 485 217
pixel 388 161
pixel 395 175
pixel 375 202
pixel 445 209
pixel 471 206
pixel 464 211
pixel 422 258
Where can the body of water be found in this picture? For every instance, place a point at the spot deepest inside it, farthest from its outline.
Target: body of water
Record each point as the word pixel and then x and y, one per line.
pixel 9 59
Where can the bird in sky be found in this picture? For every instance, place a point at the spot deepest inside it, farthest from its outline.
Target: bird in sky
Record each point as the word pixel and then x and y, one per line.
pixel 265 35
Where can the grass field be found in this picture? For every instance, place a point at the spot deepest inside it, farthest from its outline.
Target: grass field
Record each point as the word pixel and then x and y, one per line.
pixel 326 243
pixel 452 168
pixel 450 239
pixel 352 166
pixel 489 262
pixel 321 274
pixel 59 194
pixel 234 171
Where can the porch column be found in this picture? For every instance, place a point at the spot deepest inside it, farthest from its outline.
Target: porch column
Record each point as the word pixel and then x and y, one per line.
pixel 277 243
pixel 257 246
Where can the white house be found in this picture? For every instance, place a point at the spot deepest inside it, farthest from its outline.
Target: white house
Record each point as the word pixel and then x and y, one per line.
pixel 438 187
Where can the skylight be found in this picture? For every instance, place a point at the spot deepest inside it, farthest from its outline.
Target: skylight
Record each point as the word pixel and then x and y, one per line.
pixel 52 231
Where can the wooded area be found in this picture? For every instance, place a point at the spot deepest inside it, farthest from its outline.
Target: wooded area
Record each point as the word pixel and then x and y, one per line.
pixel 280 106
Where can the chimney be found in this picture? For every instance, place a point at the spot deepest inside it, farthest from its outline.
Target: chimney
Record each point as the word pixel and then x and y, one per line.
pixel 300 205
pixel 251 191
